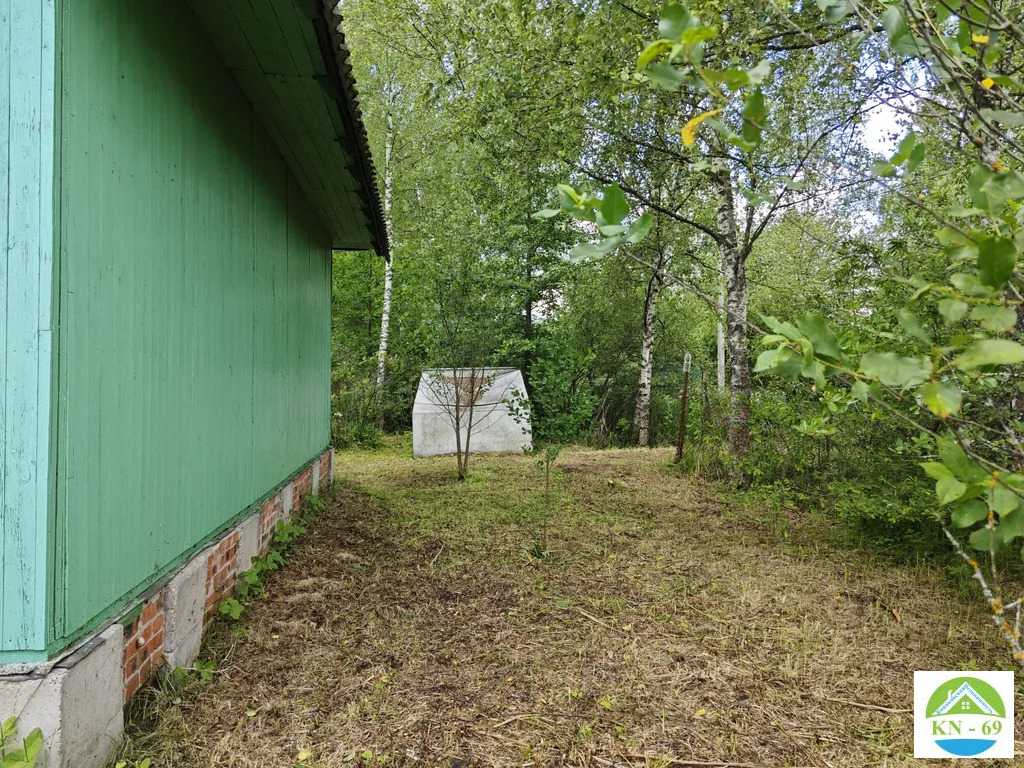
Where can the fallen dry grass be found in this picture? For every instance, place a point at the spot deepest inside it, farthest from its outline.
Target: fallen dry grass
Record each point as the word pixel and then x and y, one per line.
pixel 666 627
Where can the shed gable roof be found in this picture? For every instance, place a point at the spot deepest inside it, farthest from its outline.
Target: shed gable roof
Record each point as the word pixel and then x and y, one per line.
pixel 290 60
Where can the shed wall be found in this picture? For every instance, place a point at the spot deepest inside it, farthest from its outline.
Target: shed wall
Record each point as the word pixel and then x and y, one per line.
pixel 27 72
pixel 194 306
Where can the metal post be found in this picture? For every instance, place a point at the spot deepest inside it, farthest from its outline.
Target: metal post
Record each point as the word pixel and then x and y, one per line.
pixel 682 409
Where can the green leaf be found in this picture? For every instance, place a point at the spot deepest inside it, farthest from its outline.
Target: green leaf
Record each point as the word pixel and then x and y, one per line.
pixel 947 487
pixel 980 174
pixel 755 114
pixel 957 461
pixel 825 342
pixel 614 207
pixel 782 328
pixel 586 251
pixel 759 72
pixel 997 257
pixel 1003 186
pixel 970 285
pixel 904 149
pixel 960 212
pixel 666 76
pixel 895 371
pixel 695 35
pixel 968 513
pixel 883 168
pixel 936 470
pixel 767 359
pixel 835 10
pixel 1003 116
pixel 916 157
pixel 33 744
pixel 673 20
pixel 1011 526
pixel 638 229
pixel 894 22
pixel 652 52
pixel 990 352
pixel 816 372
pixel 952 310
pixel 940 397
pixel 781 361
pixel 983 539
pixel 995 319
pixel 1003 500
pixel 860 390
pixel 912 326
pixel 546 213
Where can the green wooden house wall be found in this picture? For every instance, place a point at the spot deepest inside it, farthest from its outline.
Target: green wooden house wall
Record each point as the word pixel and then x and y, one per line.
pixel 184 272
pixel 27 147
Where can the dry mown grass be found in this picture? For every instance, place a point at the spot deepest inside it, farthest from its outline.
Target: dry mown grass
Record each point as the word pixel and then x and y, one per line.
pixel 666 628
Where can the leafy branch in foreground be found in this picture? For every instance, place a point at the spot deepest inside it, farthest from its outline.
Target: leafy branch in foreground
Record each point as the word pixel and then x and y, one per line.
pixel 14 756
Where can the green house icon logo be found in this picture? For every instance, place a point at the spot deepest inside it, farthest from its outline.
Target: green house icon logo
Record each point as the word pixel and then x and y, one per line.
pixel 966 715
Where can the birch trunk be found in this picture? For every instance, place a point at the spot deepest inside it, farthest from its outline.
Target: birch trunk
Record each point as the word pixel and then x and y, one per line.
pixel 642 417
pixel 385 315
pixel 734 266
pixel 721 336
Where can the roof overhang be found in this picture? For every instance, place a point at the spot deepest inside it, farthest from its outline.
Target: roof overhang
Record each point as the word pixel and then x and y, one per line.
pixel 290 59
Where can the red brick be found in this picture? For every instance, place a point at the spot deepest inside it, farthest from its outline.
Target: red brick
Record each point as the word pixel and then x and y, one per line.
pixel 149 610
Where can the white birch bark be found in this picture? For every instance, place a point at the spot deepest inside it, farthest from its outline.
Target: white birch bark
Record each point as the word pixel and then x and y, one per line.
pixel 642 417
pixel 385 315
pixel 721 336
pixel 734 266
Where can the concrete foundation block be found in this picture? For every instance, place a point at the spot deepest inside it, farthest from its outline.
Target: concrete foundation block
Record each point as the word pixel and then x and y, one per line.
pixel 248 542
pixel 316 477
pixel 184 604
pixel 77 705
pixel 287 501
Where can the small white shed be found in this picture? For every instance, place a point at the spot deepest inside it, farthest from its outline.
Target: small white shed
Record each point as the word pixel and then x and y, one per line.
pixel 495 394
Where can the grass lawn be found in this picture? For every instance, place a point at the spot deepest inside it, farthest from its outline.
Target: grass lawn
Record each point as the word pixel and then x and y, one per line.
pixel 666 626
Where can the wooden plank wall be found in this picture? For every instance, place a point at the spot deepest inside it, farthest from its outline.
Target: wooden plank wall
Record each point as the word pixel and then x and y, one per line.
pixel 27 108
pixel 195 305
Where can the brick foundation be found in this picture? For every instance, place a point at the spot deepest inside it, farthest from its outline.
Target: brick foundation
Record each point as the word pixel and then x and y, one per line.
pixel 143 645
pixel 271 512
pixel 221 574
pixel 303 486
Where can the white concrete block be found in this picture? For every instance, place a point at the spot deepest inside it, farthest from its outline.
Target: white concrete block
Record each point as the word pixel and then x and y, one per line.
pixel 92 707
pixel 316 476
pixel 35 701
pixel 78 705
pixel 248 542
pixel 287 501
pixel 184 604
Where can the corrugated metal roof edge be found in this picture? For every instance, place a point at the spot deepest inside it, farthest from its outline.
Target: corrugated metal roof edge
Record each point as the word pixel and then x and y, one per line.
pixel 336 58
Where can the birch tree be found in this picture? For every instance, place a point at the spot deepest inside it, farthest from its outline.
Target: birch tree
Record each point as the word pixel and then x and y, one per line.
pixel 642 418
pixel 385 315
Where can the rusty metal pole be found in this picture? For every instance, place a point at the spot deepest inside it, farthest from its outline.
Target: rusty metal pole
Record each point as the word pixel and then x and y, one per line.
pixel 682 409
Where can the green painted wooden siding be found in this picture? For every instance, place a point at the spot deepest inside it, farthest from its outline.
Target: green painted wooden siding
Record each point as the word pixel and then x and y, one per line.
pixel 272 49
pixel 27 70
pixel 194 305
